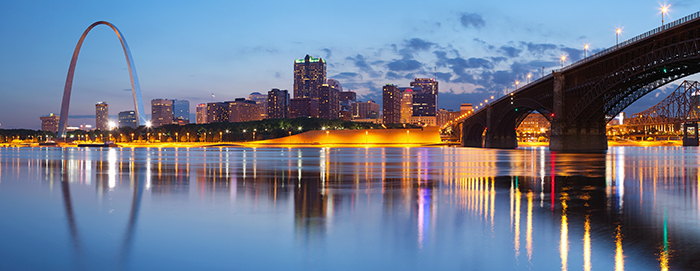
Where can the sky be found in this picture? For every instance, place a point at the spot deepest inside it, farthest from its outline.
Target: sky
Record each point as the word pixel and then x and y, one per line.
pixel 192 49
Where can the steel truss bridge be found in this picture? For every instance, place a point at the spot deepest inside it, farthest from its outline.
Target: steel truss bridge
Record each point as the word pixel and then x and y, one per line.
pixel 676 114
pixel 578 99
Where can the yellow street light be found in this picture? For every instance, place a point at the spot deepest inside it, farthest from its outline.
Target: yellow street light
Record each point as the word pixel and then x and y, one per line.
pixel 664 9
pixel 585 50
pixel 618 31
pixel 563 59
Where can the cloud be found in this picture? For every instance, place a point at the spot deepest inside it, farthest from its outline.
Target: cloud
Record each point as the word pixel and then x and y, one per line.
pixel 572 53
pixel 278 75
pixel 126 89
pixel 328 52
pixel 348 76
pixel 361 62
pixel 419 44
pixel 510 51
pixel 404 65
pixel 472 20
pixel 538 49
pixel 393 76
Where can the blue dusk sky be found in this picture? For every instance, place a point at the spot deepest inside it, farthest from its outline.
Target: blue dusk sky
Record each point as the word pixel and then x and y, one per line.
pixel 192 49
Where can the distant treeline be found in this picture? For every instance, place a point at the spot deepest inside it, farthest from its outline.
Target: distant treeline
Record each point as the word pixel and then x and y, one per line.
pixel 210 132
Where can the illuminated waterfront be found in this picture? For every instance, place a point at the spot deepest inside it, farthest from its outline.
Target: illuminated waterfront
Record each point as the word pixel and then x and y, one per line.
pixel 634 208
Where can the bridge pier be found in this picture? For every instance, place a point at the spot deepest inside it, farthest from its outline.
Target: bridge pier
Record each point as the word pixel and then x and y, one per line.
pixel 574 137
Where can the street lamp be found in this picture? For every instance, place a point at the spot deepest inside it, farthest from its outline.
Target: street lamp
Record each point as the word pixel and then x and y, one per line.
pixel 563 59
pixel 617 37
pixel 516 84
pixel 585 49
pixel 528 77
pixel 664 9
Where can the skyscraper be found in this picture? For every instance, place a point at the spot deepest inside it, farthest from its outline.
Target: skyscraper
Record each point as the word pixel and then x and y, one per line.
pixel 328 103
pixel 406 105
pixel 102 116
pixel 309 75
pixel 181 109
pixel 127 119
pixel 201 113
pixel 425 99
pixel 391 102
pixel 365 110
pixel 277 104
pixel 49 123
pixel 161 112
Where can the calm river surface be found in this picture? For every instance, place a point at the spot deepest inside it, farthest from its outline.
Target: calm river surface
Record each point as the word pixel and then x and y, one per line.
pixel 633 208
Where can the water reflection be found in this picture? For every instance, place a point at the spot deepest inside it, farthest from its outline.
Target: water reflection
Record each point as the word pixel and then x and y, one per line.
pixel 630 208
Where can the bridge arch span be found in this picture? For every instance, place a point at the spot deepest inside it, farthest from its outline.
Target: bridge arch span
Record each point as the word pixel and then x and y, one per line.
pixel 472 133
pixel 135 87
pixel 674 59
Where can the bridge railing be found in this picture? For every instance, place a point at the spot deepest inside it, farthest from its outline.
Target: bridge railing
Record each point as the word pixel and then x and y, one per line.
pixel 654 31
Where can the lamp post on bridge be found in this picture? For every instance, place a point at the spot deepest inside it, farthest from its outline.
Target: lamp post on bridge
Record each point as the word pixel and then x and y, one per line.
pixel 563 59
pixel 617 36
pixel 664 9
pixel 585 50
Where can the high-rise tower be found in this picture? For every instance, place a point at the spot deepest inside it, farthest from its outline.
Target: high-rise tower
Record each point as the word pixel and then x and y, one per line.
pixel 309 76
pixel 102 116
pixel 391 101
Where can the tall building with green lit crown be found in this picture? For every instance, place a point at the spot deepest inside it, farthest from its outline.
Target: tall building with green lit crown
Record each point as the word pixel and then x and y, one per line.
pixel 309 76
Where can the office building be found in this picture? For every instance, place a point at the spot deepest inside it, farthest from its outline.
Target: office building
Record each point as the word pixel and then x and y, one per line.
pixel 309 75
pixel 303 107
pixel 181 110
pixel 241 110
pixel 406 105
pixel 365 110
pixel 260 99
pixel 201 112
pixel 49 123
pixel 328 103
pixel 277 104
pixel 391 104
pixel 127 119
pixel 161 112
pixel 425 96
pixel 444 116
pixel 102 116
pixel 218 112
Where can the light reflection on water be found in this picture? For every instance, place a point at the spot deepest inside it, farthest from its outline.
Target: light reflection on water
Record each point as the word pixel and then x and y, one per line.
pixel 349 208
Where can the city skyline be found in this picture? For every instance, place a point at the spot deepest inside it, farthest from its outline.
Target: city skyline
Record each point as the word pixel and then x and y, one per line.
pixel 474 49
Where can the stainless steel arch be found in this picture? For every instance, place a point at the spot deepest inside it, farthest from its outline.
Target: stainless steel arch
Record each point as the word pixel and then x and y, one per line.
pixel 135 88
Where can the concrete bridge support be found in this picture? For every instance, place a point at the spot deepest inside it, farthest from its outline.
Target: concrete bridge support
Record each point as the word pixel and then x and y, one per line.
pixel 574 137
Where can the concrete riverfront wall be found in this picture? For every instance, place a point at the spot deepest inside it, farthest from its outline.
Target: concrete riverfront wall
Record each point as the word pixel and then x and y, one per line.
pixel 427 135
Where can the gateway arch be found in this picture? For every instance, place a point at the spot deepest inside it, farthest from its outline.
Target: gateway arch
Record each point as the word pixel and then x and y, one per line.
pixel 135 88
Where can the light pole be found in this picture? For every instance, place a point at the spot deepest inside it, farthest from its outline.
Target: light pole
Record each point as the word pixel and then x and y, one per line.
pixel 585 50
pixel 563 59
pixel 617 37
pixel 528 77
pixel 664 9
pixel 516 84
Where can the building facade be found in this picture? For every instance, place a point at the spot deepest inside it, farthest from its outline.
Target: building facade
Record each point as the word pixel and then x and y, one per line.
pixel 391 104
pixel 161 112
pixel 277 104
pixel 218 112
pixel 303 107
pixel 365 110
pixel 181 110
pixel 201 113
pixel 406 105
pixel 309 75
pixel 425 97
pixel 241 110
pixel 328 102
pixel 127 119
pixel 260 99
pixel 49 123
pixel 102 116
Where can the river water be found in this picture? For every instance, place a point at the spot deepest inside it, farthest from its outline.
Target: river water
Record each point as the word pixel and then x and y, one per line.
pixel 435 208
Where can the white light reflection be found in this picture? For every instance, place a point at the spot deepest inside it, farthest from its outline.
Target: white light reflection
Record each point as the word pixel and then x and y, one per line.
pixel 112 171
pixel 148 170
